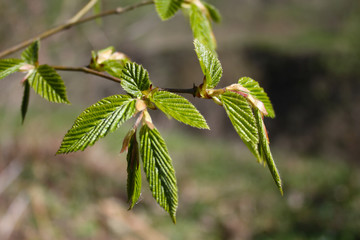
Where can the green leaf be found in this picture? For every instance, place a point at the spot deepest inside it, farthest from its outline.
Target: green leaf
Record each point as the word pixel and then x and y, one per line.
pixel 30 54
pixel 209 63
pixel 159 170
pixel 179 108
pixel 97 121
pixel 259 93
pixel 134 173
pixel 167 8
pixel 201 26
pixel 213 12
pixel 114 67
pixel 135 79
pixel 264 149
pixel 47 83
pixel 25 100
pixel 9 66
pixel 242 118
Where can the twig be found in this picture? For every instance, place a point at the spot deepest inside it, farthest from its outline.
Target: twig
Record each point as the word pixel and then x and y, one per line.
pixel 87 70
pixel 83 11
pixel 191 91
pixel 68 25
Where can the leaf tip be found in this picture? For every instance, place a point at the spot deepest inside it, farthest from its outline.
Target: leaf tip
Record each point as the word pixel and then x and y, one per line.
pixel 173 218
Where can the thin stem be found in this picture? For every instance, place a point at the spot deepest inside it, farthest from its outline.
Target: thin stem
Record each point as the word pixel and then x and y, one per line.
pixel 68 25
pixel 87 70
pixel 83 11
pixel 191 91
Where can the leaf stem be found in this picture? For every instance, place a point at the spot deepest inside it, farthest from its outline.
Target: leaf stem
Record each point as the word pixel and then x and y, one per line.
pixel 70 24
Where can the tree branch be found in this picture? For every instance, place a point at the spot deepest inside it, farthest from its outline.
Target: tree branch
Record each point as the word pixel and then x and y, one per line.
pixel 191 91
pixel 87 70
pixel 83 11
pixel 68 25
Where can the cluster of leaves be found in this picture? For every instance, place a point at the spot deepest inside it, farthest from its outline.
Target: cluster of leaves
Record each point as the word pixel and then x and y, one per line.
pixel 245 103
pixel 42 78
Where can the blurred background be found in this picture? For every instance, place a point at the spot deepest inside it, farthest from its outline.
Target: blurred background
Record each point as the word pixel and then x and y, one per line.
pixel 306 54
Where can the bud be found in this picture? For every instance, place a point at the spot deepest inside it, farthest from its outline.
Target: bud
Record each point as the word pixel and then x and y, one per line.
pixel 26 67
pixel 140 105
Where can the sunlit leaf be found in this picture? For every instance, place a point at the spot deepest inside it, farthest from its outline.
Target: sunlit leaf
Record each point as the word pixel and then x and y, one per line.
pixel 31 54
pixel 264 149
pixel 179 108
pixel 259 93
pixel 109 60
pixel 97 121
pixel 135 79
pixel 133 171
pixel 213 12
pixel 9 66
pixel 167 8
pixel 48 84
pixel 242 118
pixel 159 170
pixel 201 25
pixel 209 63
pixel 114 67
pixel 25 100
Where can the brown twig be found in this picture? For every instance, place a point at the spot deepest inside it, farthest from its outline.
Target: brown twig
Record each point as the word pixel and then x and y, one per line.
pixel 87 70
pixel 191 91
pixel 68 25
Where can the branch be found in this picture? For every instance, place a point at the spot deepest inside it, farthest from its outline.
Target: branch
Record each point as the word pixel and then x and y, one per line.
pixel 191 91
pixel 68 25
pixel 83 11
pixel 87 70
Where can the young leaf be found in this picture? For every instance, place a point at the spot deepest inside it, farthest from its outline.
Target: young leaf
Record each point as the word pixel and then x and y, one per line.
pixel 9 66
pixel 209 63
pixel 242 118
pixel 167 8
pixel 25 100
pixel 114 67
pixel 201 26
pixel 135 79
pixel 97 121
pixel 213 12
pixel 134 173
pixel 47 83
pixel 265 152
pixel 179 108
pixel 259 93
pixel 109 60
pixel 159 170
pixel 31 54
